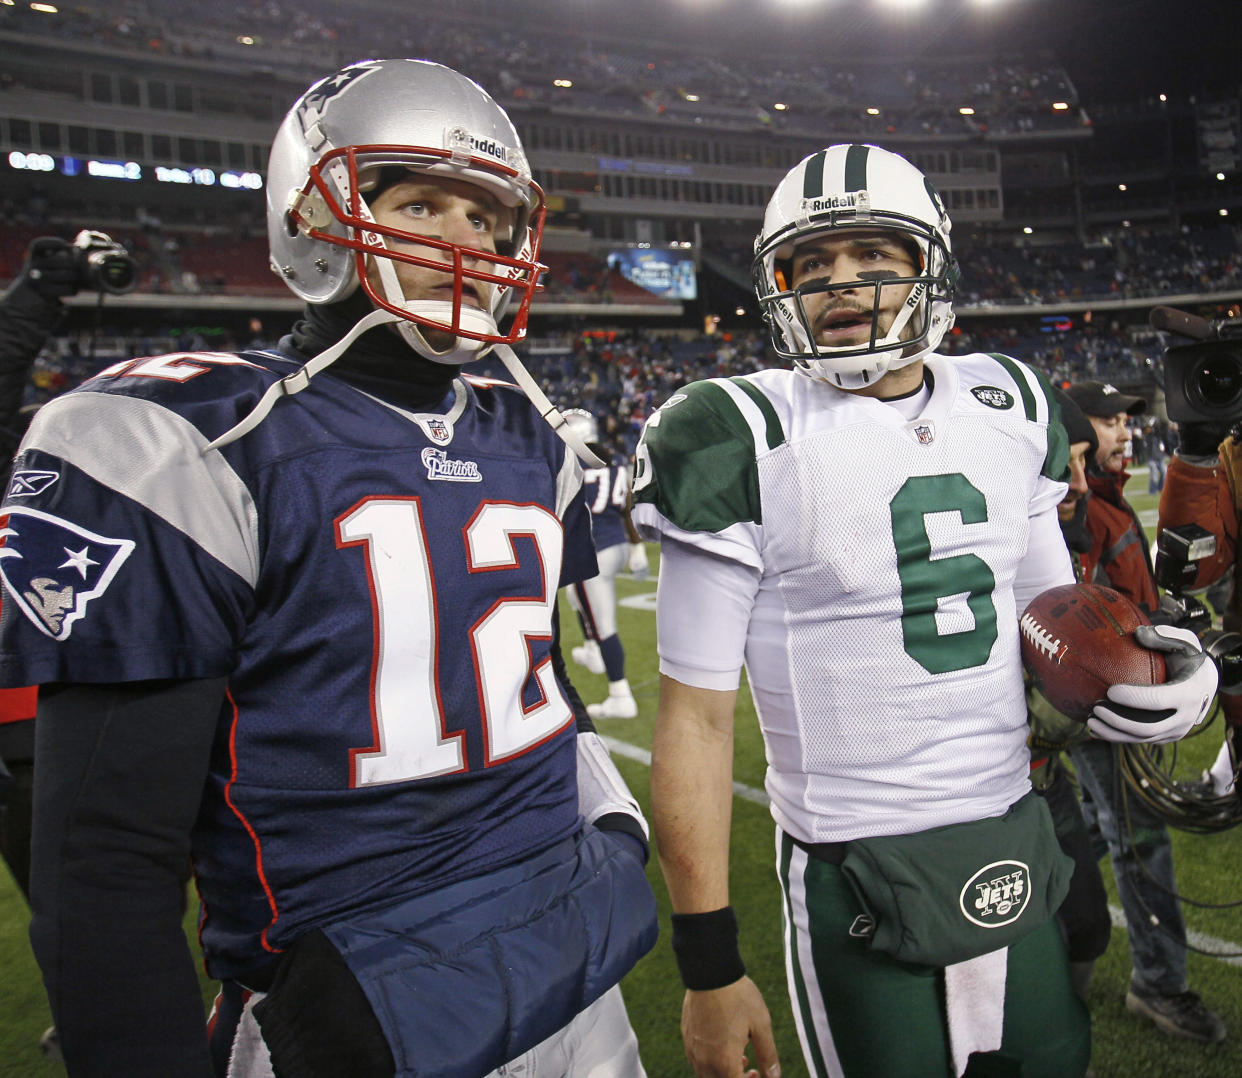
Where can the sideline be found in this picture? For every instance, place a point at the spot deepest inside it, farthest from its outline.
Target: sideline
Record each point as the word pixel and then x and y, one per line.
pixel 1219 950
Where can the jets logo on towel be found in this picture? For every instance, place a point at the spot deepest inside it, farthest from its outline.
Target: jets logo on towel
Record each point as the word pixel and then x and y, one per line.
pixel 997 894
pixel 53 568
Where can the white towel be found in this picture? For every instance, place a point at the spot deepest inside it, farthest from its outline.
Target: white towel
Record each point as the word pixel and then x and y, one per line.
pixel 974 993
pixel 249 1058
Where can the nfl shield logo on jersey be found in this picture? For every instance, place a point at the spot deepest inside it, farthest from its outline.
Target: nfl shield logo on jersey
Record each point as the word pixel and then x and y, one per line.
pixel 437 430
pixel 924 433
pixel 53 568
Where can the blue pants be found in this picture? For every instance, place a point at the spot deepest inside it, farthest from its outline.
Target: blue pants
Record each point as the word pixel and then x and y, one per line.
pixel 1142 854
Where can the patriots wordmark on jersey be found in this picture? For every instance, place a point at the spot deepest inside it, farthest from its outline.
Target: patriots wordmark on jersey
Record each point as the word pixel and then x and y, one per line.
pixel 882 551
pixel 377 586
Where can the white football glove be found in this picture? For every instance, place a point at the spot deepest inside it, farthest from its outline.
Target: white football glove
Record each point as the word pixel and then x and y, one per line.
pixel 638 564
pixel 1155 714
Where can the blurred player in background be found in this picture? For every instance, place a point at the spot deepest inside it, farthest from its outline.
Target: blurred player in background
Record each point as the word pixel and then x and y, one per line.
pixel 298 627
pixel 862 533
pixel 617 547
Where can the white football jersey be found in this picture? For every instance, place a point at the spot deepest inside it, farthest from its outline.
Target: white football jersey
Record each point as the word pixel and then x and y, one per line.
pixel 882 644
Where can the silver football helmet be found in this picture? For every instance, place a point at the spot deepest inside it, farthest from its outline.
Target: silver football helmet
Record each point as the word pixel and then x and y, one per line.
pixel 582 423
pixel 427 119
pixel 851 187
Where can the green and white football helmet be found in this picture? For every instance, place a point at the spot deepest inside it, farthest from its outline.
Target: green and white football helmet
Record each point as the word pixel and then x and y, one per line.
pixel 850 187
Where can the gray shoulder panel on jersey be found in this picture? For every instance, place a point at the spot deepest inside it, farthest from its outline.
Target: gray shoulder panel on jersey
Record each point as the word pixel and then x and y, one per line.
pixel 569 481
pixel 153 456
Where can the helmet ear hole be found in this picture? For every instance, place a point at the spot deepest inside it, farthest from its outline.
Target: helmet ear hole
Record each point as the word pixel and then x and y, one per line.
pixel 291 226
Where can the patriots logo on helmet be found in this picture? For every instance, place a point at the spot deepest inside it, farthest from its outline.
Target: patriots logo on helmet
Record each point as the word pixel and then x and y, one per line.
pixel 314 100
pixel 53 568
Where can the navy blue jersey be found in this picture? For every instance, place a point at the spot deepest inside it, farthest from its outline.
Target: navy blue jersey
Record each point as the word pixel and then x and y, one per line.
pixel 376 585
pixel 607 490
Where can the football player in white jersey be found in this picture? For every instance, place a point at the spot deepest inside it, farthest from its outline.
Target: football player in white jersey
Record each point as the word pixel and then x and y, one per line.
pixel 862 533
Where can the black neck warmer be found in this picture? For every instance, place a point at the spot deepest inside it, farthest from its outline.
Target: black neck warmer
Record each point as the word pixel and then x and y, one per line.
pixel 379 362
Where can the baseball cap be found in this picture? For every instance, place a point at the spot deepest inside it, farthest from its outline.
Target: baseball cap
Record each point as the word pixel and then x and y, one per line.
pixel 1077 425
pixel 1102 399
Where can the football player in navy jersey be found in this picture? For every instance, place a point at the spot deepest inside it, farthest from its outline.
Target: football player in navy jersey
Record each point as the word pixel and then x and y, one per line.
pixel 617 547
pixel 296 627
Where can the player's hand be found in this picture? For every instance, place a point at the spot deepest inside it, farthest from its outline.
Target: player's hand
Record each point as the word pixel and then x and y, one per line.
pixel 1155 714
pixel 716 1027
pixel 638 564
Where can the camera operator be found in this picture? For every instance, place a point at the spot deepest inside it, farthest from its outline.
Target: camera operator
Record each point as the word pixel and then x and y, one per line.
pixel 1204 487
pixel 31 311
pixel 1137 837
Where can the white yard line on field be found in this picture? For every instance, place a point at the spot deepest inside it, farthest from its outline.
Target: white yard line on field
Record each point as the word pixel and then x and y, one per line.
pixel 1217 949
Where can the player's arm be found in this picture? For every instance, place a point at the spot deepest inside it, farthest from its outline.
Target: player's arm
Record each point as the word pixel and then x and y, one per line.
pixel 703 609
pixel 692 797
pixel 119 773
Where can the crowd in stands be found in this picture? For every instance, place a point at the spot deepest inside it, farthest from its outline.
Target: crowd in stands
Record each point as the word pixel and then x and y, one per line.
pixel 597 74
pixel 1130 264
pixel 622 376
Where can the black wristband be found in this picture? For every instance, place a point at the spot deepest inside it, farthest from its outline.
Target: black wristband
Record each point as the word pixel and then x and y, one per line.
pixel 705 946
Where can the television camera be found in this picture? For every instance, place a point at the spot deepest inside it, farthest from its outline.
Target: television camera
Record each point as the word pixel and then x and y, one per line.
pixel 1189 806
pixel 94 261
pixel 1203 379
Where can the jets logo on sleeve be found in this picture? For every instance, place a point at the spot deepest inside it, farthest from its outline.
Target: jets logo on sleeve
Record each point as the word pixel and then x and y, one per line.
pixel 53 568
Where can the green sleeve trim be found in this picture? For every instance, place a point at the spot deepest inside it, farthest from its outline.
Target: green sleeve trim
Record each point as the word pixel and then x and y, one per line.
pixel 1028 398
pixel 1056 459
pixel 774 433
pixel 697 454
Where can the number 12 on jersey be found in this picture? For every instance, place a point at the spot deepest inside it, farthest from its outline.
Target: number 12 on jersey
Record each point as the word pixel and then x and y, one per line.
pixel 407 714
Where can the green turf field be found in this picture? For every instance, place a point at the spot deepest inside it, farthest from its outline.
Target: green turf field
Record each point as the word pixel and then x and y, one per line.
pixel 1209 870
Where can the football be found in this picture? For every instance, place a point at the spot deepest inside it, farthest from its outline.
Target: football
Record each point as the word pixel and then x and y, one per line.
pixel 1078 639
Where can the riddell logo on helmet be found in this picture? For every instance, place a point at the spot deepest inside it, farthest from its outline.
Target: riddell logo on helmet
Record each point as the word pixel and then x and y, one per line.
pixel 832 202
pixel 490 148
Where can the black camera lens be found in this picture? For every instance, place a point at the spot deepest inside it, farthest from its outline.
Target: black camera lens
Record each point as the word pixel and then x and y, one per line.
pixel 1216 381
pixel 112 271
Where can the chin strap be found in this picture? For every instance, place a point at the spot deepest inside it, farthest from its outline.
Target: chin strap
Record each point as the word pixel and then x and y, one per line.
pixel 551 414
pixel 300 379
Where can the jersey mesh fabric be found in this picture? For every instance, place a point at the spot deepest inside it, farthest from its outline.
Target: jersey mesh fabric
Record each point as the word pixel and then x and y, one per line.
pixel 367 568
pixel 890 697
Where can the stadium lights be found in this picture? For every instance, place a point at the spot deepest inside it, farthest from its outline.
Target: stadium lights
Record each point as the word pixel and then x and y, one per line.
pixel 46 9
pixel 966 110
pixel 780 106
pixel 1028 230
pixel 873 112
pixel 1224 213
pixel 564 84
pixel 903 5
pixel 1060 106
pixel 245 39
pixel 1220 175
pixel 692 97
pixel 739 311
pixel 1121 187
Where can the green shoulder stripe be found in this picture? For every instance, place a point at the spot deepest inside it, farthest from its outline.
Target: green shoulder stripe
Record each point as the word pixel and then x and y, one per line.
pixel 1056 459
pixel 1011 368
pixel 696 461
pixel 774 433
